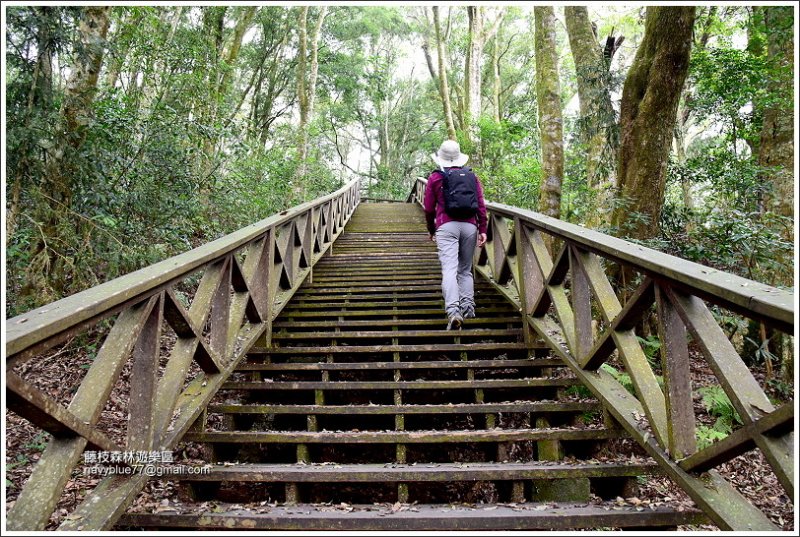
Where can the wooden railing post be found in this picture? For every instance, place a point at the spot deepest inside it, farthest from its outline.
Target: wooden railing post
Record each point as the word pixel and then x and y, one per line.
pixel 677 379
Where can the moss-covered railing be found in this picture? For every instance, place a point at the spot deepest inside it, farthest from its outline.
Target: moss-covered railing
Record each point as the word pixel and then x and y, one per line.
pixel 245 279
pixel 568 302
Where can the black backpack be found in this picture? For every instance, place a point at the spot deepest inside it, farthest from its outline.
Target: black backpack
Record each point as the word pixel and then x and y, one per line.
pixel 460 188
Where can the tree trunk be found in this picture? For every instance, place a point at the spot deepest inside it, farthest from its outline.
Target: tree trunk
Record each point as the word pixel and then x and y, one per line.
pixel 776 144
pixel 548 97
pixel 647 118
pixel 306 92
pixel 472 72
pixel 496 78
pixel 444 89
pixel 213 26
pixel 593 92
pixel 755 46
pixel 82 83
pixel 46 272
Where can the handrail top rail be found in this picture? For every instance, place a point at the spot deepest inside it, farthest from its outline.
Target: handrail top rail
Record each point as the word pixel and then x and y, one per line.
pixel 31 327
pixel 770 302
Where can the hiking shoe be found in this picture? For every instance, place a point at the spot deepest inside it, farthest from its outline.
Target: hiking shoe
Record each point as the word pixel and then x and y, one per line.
pixel 454 322
pixel 468 313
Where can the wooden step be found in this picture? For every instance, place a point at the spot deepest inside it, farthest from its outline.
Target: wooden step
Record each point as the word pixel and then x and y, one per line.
pixel 536 407
pixel 438 364
pixel 384 305
pixel 388 348
pixel 400 437
pixel 528 516
pixel 383 297
pixel 398 473
pixel 468 323
pixel 400 385
pixel 481 313
pixel 372 334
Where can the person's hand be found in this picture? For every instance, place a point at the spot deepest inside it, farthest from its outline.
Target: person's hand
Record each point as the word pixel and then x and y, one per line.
pixel 481 240
pixel 433 238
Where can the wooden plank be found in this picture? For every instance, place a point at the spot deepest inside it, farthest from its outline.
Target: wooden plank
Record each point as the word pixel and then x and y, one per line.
pixel 581 305
pixel 220 314
pixel 43 325
pixel 391 348
pixel 531 276
pixel 143 382
pixel 777 423
pixel 171 383
pixel 381 473
pixel 736 380
pixel 360 366
pixel 45 413
pixel 402 437
pixel 475 332
pixel 402 385
pixel 644 382
pixel 41 492
pixel 382 323
pixel 339 303
pixel 677 373
pixel 463 408
pixel 423 518
pixel 607 300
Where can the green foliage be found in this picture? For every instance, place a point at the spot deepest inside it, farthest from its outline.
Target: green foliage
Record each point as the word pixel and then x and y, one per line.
pixel 511 170
pixel 626 380
pixel 619 376
pixel 38 442
pixel 717 404
pixel 651 345
pixel 728 228
pixel 725 81
pixel 708 435
pixel 579 390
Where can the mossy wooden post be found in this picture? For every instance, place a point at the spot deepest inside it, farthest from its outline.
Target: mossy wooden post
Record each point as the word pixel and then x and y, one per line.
pixel 399 419
pixel 677 379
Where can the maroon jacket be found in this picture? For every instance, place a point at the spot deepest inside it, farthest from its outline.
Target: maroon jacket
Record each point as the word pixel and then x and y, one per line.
pixel 433 204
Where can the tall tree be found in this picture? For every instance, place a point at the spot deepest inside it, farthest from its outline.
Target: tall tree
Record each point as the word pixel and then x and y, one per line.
pixel 444 88
pixel 307 72
pixel 478 35
pixel 548 97
pixel 594 94
pixel 647 117
pixel 776 144
pixel 76 114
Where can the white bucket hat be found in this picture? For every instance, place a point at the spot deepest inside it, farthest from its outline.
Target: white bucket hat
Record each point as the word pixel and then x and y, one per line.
pixel 449 155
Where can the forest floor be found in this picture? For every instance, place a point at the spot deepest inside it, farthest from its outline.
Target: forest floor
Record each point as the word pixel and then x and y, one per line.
pixel 61 373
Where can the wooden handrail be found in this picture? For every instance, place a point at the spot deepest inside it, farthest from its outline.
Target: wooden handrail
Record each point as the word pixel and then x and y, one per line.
pixel 566 300
pixel 25 331
pixel 753 299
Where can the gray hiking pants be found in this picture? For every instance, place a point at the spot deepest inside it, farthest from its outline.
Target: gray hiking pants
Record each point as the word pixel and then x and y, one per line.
pixel 456 244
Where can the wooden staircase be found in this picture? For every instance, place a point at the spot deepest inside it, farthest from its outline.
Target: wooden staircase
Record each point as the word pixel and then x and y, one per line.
pixel 364 413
